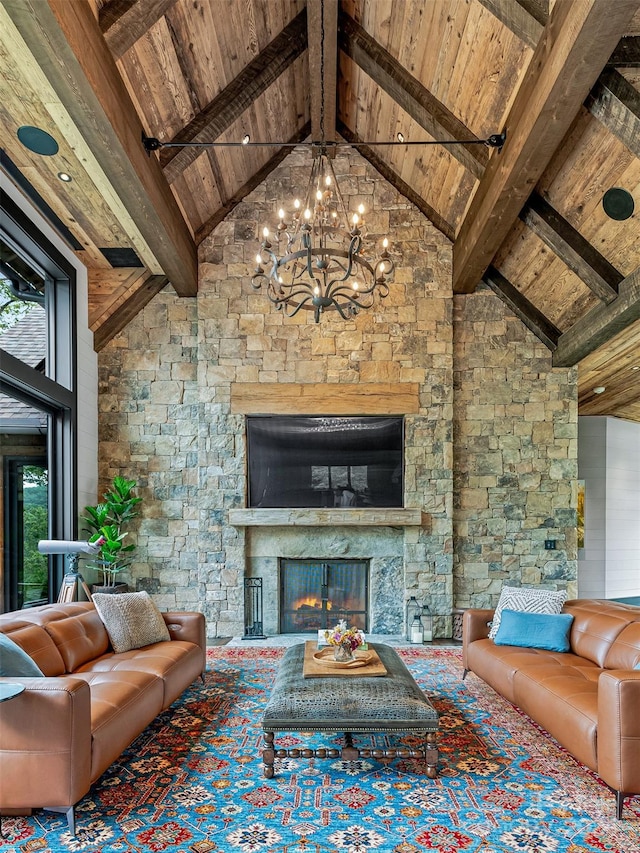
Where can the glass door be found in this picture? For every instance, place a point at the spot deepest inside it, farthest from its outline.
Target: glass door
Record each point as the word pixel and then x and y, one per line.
pixel 316 594
pixel 25 499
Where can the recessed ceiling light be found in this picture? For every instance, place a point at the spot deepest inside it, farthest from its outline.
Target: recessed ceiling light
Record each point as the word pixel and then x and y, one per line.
pixel 37 140
pixel 65 176
pixel 599 390
pixel 246 139
pixel 400 137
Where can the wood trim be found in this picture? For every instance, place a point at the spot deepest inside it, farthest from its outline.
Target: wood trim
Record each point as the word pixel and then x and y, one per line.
pixel 376 398
pixel 397 183
pixel 322 23
pixel 600 324
pixel 359 517
pixel 96 115
pixel 203 232
pixel 237 97
pixel 575 45
pixel 525 310
pixel 411 96
pixel 616 103
pixel 572 248
pixel 123 22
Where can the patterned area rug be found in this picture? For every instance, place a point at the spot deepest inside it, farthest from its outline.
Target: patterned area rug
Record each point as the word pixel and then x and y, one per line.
pixel 193 782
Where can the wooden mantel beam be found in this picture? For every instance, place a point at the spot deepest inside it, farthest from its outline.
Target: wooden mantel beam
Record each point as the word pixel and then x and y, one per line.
pixel 573 49
pixel 93 110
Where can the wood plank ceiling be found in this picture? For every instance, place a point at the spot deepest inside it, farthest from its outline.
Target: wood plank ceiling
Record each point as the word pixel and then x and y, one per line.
pixel 561 78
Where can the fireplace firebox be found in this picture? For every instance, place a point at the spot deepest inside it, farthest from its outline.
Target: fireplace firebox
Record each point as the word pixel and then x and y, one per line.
pixel 317 594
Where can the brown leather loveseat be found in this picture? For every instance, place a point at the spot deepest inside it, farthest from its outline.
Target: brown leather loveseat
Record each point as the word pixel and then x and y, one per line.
pixel 64 730
pixel 588 698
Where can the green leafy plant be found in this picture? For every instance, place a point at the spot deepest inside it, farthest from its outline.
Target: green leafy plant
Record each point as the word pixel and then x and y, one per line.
pixel 106 521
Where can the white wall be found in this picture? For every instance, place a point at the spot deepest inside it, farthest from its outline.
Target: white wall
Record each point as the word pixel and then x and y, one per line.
pixel 87 359
pixel 609 463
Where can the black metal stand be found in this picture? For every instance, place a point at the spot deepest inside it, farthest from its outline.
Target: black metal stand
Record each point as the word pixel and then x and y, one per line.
pixel 253 627
pixel 69 587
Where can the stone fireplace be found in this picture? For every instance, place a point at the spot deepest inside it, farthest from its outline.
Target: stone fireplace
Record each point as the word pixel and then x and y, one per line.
pixel 380 548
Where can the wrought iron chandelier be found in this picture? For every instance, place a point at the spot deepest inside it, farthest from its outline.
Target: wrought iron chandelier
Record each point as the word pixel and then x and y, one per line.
pixel 321 266
pixel 314 261
pixel 313 258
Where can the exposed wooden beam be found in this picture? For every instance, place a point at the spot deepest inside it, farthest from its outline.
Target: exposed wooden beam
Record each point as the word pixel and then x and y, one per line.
pixel 127 305
pixel 615 366
pixel 322 25
pixel 573 48
pixel 626 54
pixel 411 96
pixel 403 188
pixel 616 103
pixel 255 181
pixel 571 247
pixel 532 318
pixel 238 96
pixel 93 111
pixel 123 22
pixel 600 324
pixel 526 20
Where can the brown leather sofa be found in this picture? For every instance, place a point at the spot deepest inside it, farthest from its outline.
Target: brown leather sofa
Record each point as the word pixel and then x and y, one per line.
pixel 588 698
pixel 64 730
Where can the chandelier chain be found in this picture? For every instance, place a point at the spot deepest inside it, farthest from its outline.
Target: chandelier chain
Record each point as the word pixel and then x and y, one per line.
pixel 322 139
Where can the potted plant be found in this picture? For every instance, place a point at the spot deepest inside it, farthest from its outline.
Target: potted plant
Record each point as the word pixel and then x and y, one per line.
pixel 106 521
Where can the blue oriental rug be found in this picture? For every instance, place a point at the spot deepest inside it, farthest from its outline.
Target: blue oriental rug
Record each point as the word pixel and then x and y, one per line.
pixel 193 782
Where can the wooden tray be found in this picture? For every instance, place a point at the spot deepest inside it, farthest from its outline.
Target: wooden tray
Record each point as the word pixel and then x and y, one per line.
pixel 326 658
pixel 320 663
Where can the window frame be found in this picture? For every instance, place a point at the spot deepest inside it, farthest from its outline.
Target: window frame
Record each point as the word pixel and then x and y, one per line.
pixel 55 393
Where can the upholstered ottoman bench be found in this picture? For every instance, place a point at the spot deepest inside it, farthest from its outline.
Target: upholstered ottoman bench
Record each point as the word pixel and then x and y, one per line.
pixel 387 704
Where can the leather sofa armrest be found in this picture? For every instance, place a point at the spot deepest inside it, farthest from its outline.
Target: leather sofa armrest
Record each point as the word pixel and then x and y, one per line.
pixel 45 740
pixel 475 626
pixel 619 729
pixel 189 626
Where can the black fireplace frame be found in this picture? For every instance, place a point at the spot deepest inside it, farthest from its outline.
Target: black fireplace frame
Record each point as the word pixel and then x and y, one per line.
pixel 327 617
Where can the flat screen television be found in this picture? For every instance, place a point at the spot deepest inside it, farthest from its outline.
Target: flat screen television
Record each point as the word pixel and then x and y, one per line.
pixel 313 461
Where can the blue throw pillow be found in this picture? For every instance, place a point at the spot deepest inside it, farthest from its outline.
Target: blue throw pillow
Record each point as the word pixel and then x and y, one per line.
pixel 535 630
pixel 15 662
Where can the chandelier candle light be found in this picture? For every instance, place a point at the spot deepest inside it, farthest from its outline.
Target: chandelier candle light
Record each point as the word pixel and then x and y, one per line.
pixel 315 260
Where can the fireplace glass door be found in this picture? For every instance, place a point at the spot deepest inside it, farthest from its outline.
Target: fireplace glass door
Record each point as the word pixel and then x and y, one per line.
pixel 319 593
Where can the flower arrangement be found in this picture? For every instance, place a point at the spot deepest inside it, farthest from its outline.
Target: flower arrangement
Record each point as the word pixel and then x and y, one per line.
pixel 352 638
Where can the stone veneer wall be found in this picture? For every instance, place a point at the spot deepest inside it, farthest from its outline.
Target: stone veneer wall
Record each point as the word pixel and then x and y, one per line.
pixel 515 457
pixel 165 418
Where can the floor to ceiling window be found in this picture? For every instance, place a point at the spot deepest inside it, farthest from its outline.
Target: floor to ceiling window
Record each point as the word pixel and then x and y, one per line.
pixel 37 410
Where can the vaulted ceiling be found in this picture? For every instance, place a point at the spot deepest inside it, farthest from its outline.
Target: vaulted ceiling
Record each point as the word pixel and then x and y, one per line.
pixel 561 79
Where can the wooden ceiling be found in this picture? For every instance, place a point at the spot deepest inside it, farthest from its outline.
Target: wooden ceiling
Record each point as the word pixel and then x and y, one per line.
pixel 561 78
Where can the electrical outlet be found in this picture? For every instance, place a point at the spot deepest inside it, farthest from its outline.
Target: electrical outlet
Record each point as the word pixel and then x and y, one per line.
pixel 549 544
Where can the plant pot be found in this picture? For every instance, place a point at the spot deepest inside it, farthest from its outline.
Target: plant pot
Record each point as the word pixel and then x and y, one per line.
pixel 116 589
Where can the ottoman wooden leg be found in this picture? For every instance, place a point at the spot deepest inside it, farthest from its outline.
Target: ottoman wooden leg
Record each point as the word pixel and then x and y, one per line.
pixel 268 755
pixel 431 755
